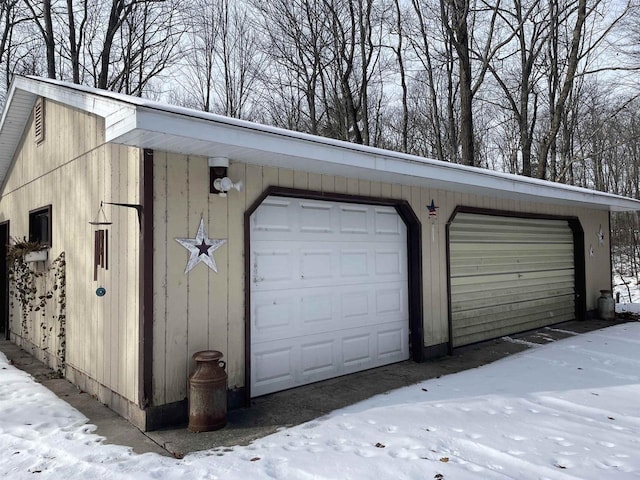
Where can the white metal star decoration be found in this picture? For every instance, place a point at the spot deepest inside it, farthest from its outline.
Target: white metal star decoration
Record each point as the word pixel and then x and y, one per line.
pixel 201 249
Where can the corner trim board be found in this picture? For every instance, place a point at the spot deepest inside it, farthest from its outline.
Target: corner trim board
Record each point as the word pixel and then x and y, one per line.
pixel 145 352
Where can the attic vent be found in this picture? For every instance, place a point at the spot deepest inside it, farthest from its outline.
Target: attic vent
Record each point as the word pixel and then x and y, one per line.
pixel 38 120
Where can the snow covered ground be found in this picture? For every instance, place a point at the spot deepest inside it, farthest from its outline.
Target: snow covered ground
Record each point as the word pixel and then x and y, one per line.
pixel 629 290
pixel 566 410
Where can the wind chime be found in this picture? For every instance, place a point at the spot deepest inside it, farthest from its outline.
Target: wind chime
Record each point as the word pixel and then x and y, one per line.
pixel 100 247
pixel 433 218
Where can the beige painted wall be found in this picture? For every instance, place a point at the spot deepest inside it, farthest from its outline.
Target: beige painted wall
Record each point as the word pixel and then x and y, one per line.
pixel 73 170
pixel 205 310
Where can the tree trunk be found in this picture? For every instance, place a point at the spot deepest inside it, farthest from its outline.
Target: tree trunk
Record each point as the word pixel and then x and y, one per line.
pixel 559 107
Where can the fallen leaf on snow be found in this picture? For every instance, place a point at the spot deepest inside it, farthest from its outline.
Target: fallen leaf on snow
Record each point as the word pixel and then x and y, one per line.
pixel 444 459
pixel 254 459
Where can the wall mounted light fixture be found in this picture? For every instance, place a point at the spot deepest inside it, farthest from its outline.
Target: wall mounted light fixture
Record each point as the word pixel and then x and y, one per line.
pixel 219 182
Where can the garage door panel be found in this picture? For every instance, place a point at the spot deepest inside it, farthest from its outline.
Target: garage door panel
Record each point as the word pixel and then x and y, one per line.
pixel 273 366
pixel 469 249
pixel 339 263
pixel 319 357
pixel 475 285
pixel 274 216
pixel 341 304
pixel 508 274
pixel 357 350
pixel 273 314
pixel 318 310
pixel 505 311
pixel 523 267
pixel 354 263
pixel 514 278
pixel 355 307
pixel 273 265
pixel 315 217
pixel 390 301
pixel 520 324
pixel 476 301
pixel 316 264
pixel 389 263
pixel 354 219
pixel 505 322
pixel 283 364
pixel 388 224
pixel 391 342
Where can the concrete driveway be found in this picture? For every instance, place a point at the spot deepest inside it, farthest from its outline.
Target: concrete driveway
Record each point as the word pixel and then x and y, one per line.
pixel 271 412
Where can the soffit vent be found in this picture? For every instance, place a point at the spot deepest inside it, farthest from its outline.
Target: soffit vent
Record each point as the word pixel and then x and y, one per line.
pixel 38 120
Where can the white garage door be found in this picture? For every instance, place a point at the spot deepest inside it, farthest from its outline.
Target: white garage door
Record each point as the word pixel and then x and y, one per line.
pixel 328 291
pixel 509 275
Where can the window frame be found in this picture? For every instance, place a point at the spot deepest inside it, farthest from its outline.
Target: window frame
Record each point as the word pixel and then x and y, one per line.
pixel 35 234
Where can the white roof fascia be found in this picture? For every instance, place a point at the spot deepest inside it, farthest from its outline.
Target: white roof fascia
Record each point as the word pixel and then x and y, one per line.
pixel 91 102
pixel 253 143
pixel 147 124
pixel 20 99
pixel 12 126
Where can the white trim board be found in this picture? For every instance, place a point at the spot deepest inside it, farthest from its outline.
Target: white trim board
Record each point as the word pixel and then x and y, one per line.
pixel 146 124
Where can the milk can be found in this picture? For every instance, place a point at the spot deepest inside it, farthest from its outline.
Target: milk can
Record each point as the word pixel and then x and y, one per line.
pixel 208 392
pixel 606 305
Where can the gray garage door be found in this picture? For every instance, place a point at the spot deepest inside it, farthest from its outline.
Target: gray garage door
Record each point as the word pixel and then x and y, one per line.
pixel 509 275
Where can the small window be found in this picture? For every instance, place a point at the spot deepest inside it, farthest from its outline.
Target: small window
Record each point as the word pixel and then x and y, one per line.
pixel 40 225
pixel 38 121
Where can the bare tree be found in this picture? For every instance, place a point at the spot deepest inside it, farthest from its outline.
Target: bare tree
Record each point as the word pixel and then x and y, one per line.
pixel 454 16
pixel 475 45
pixel 225 57
pixel 8 20
pixel 42 16
pixel 149 39
pixel 297 41
pixel 398 49
pixel 422 43
pixel 202 36
pixel 356 44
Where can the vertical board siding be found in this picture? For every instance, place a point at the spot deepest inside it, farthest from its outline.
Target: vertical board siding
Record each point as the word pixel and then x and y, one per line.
pixel 177 225
pixel 73 170
pixel 197 317
pixel 236 206
pixel 224 218
pixel 160 259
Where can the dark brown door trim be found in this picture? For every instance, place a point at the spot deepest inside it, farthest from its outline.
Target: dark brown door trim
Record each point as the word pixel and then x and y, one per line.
pixel 414 257
pixel 4 280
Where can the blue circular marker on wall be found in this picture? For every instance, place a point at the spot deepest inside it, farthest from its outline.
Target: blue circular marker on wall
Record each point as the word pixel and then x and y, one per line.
pixel 101 291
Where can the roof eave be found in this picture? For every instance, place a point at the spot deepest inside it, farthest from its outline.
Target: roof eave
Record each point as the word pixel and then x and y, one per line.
pixel 248 143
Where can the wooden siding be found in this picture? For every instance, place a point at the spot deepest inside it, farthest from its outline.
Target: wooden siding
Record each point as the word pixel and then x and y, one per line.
pixel 73 170
pixel 206 309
